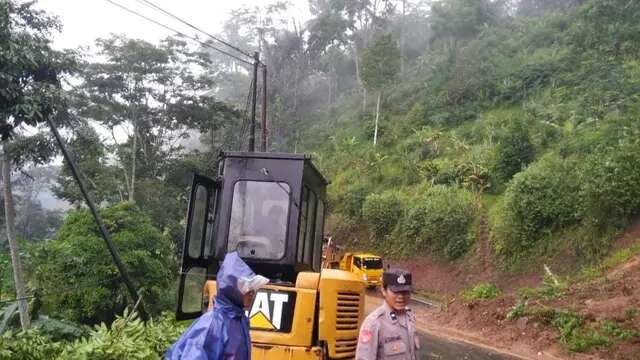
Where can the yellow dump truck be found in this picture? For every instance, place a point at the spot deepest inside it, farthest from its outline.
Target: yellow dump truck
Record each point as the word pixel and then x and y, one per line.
pixel 366 266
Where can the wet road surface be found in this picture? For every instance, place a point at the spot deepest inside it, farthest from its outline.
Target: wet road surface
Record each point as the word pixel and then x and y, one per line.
pixel 435 348
pixel 440 348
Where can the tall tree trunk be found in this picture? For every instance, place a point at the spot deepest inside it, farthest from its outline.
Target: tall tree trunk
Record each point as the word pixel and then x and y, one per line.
pixel 134 151
pixel 364 104
pixel 357 59
pixel 375 132
pixel 10 217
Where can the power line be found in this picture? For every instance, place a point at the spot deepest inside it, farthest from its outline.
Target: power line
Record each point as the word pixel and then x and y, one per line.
pixel 178 32
pixel 149 3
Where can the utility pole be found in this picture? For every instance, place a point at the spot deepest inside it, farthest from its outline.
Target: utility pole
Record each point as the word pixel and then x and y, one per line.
pixel 265 134
pixel 103 230
pixel 254 95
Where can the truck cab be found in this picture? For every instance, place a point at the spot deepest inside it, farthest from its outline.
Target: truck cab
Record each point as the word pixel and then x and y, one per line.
pixel 364 265
pixel 270 208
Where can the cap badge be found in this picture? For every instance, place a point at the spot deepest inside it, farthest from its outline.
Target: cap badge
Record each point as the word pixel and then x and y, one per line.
pixel 401 280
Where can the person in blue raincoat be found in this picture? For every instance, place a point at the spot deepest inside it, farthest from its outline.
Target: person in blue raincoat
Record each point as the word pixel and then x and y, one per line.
pixel 223 334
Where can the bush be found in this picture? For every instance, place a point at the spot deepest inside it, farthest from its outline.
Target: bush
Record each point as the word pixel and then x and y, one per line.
pixel 348 192
pixel 482 291
pixel 382 212
pixel 538 201
pixel 77 276
pixel 611 186
pixel 442 219
pixel 575 335
pixel 514 152
pixel 127 338
pixel 29 344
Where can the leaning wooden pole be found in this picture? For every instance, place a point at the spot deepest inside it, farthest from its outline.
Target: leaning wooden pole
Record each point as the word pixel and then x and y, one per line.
pixel 103 230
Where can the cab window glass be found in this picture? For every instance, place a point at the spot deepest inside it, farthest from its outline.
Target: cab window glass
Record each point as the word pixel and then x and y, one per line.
pixel 208 244
pixel 317 242
pixel 303 224
pixel 197 221
pixel 373 263
pixel 258 227
pixel 192 290
pixel 357 262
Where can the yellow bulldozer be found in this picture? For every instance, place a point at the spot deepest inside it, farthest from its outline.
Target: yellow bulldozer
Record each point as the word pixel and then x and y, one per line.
pixel 270 208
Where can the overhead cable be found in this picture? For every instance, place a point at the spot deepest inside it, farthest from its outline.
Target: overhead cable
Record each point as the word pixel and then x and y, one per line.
pixel 178 32
pixel 151 4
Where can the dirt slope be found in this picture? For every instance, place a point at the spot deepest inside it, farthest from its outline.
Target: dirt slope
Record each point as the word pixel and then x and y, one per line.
pixel 612 298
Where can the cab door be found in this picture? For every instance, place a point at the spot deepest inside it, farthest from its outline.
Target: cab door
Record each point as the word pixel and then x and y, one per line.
pixel 197 252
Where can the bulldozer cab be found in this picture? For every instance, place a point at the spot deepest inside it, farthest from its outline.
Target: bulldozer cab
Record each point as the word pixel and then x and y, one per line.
pixel 269 207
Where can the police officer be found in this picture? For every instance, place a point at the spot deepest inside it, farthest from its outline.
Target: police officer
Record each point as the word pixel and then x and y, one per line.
pixel 389 332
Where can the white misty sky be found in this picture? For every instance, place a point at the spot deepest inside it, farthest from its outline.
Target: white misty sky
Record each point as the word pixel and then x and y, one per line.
pixel 86 20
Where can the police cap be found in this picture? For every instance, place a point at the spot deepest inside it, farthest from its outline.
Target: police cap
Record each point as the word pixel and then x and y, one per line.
pixel 397 280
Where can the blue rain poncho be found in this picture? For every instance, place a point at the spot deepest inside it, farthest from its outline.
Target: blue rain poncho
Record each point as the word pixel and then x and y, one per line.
pixel 221 334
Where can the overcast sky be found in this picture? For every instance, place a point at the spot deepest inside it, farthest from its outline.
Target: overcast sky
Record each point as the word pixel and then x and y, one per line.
pixel 86 20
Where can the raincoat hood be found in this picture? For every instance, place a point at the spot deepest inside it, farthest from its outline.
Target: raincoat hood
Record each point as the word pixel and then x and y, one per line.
pixel 232 270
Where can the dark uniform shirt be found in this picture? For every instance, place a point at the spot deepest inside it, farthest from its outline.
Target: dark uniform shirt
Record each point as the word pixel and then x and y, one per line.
pixel 388 334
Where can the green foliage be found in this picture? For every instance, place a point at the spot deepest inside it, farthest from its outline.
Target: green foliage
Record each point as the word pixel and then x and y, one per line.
pixel 551 288
pixel 631 313
pixel 461 19
pixel 618 332
pixel 537 201
pixel 514 151
pixel 6 276
pixel 382 212
pixel 517 311
pixel 8 317
pixel 618 257
pixel 30 344
pixel 574 335
pixel 611 185
pixel 353 199
pixel 440 219
pixel 58 329
pixel 609 27
pixel 31 69
pixel 77 276
pixel 481 291
pixel 100 179
pixel 126 338
pixel 380 62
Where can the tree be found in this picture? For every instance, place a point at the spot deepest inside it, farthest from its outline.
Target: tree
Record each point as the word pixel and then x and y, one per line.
pixel 515 150
pixel 31 94
pixel 77 277
pixel 380 67
pixel 609 26
pixel 100 179
pixel 348 22
pixel 456 20
pixel 157 94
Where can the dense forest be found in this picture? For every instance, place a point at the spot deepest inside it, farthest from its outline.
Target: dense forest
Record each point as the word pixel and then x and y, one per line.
pixel 440 123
